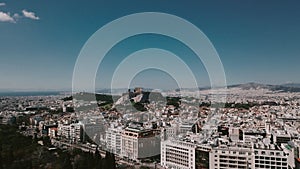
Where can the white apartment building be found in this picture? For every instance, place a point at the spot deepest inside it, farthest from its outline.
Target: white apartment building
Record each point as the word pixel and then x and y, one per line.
pixel 140 143
pixel 228 157
pixel 254 156
pixel 270 157
pixel 114 139
pixel 178 154
pixel 72 132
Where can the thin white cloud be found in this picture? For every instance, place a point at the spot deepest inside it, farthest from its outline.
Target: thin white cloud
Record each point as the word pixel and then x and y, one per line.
pixel 5 17
pixel 30 15
pixel 13 18
pixel 16 16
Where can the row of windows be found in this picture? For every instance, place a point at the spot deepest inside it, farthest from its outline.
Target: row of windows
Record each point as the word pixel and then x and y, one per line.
pixel 272 162
pixel 177 161
pixel 270 158
pixel 180 148
pixel 233 157
pixel 177 156
pixel 233 152
pixel 233 162
pixel 233 166
pixel 270 153
pixel 176 151
pixel 268 166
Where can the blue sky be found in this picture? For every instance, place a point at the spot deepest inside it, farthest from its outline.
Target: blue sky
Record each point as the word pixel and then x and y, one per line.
pixel 257 41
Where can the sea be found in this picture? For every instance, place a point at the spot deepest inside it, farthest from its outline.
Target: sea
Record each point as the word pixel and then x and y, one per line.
pixel 30 93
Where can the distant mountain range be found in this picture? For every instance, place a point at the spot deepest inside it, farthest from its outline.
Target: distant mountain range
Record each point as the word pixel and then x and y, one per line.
pixel 292 85
pixel 289 87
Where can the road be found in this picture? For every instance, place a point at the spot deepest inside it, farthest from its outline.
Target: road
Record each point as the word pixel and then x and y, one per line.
pixel 87 148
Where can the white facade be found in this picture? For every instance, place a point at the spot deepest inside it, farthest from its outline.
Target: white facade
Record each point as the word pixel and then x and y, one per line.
pixel 114 140
pixel 230 157
pixel 290 152
pixel 72 132
pixel 257 156
pixel 270 158
pixel 178 154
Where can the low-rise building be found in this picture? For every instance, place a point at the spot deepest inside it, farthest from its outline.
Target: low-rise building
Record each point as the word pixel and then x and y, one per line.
pixel 71 132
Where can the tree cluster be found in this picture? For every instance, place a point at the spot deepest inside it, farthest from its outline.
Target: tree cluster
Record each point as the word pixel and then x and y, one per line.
pixel 21 152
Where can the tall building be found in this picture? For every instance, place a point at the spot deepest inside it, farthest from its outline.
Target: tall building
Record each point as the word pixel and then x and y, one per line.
pixel 231 156
pixel 250 156
pixel 178 154
pixel 139 143
pixel 114 139
pixel 269 156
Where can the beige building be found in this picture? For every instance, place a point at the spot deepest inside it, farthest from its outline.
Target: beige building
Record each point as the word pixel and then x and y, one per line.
pixel 140 143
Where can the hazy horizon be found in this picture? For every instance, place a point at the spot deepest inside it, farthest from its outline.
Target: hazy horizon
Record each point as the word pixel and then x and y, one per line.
pixel 132 87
